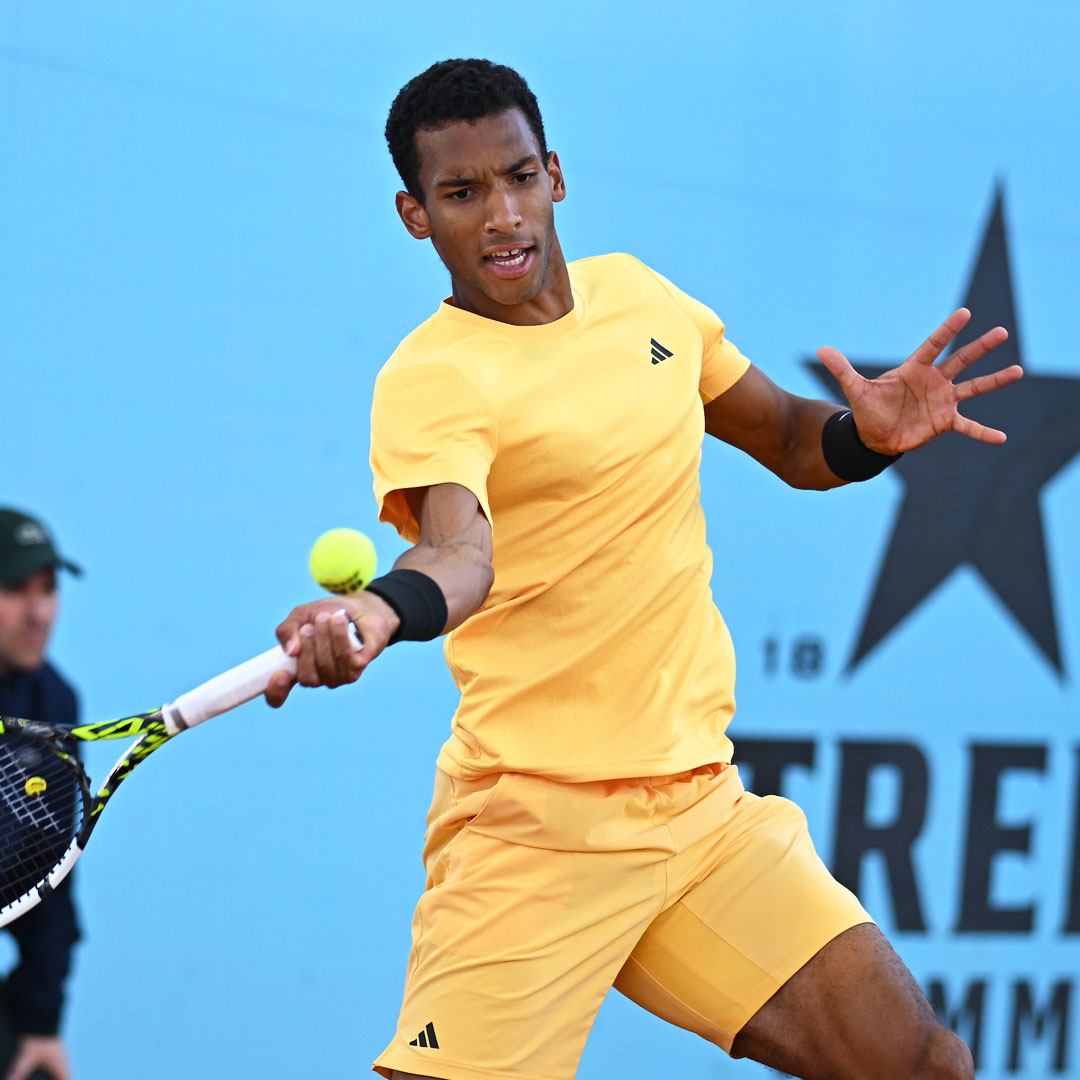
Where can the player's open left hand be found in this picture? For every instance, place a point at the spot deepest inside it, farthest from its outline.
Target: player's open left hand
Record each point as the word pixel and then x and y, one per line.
pixel 906 407
pixel 317 634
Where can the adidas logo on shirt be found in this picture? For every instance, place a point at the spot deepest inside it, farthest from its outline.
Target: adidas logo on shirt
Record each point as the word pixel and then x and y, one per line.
pixel 659 353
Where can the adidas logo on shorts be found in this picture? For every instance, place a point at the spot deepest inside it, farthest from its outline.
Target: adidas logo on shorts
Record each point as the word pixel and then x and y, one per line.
pixel 426 1038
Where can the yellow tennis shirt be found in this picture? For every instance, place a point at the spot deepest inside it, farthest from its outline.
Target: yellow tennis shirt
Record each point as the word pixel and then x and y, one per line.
pixel 599 652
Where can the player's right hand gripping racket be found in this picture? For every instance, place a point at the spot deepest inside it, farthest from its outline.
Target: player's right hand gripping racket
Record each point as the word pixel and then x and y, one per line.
pixel 47 811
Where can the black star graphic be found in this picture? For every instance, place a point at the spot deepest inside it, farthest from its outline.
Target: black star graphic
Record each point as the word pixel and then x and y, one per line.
pixel 969 503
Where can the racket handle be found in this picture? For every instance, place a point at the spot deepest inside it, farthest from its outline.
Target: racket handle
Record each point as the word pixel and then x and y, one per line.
pixel 232 688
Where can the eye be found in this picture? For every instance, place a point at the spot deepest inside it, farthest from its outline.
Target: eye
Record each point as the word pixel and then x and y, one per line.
pixel 524 178
pixel 460 195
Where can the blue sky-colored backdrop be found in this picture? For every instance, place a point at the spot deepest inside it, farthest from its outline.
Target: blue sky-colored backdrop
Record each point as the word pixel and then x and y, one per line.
pixel 201 272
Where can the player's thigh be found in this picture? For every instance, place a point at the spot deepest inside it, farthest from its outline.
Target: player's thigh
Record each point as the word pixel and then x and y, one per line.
pixel 758 905
pixel 769 957
pixel 515 945
pixel 853 1010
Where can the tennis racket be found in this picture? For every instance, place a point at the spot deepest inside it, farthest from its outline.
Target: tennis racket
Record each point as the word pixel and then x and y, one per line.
pixel 47 810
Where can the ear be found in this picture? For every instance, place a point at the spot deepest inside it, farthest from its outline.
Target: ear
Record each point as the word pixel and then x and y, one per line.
pixel 558 184
pixel 413 215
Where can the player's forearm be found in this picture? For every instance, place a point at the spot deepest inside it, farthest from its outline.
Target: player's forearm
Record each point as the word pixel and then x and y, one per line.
pixel 787 441
pixel 454 549
pixel 801 462
pixel 460 568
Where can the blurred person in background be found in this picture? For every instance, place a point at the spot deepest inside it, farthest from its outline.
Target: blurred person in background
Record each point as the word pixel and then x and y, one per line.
pixel 32 994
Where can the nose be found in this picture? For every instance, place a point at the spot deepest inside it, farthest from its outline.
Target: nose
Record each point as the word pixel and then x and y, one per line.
pixel 503 214
pixel 40 609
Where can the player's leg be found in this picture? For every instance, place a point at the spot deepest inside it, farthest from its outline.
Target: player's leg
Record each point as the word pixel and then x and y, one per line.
pixel 767 956
pixel 854 1010
pixel 520 933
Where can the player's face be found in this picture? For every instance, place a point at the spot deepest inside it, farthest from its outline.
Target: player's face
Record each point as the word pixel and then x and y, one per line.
pixel 489 210
pixel 27 612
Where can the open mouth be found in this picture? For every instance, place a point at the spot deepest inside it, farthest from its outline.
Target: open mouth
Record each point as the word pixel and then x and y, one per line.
pixel 510 262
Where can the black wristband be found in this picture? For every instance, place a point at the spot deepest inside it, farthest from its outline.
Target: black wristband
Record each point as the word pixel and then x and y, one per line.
pixel 417 601
pixel 846 454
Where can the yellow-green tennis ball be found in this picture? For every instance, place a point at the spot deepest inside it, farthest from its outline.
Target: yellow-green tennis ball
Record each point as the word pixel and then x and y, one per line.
pixel 342 560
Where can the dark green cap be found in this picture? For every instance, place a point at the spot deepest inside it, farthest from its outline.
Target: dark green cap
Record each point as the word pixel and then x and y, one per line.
pixel 26 548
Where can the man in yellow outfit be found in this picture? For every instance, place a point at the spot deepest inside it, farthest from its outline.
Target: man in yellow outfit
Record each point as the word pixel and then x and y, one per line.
pixel 538 441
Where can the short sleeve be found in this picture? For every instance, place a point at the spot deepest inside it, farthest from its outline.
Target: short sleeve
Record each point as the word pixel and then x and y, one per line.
pixel 429 425
pixel 722 365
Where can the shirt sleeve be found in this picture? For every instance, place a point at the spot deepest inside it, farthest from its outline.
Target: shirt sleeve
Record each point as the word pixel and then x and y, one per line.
pixel 722 365
pixel 429 425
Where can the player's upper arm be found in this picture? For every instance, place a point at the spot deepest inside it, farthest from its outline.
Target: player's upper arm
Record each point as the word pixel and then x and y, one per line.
pixel 430 427
pixel 752 415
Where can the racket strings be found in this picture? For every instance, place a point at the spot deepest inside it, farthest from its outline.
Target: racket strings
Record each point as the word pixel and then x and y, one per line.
pixel 41 811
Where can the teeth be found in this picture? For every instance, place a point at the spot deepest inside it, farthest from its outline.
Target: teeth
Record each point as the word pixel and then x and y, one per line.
pixel 510 258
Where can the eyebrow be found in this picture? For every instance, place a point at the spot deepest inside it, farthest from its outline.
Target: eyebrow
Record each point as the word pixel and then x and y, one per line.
pixel 466 181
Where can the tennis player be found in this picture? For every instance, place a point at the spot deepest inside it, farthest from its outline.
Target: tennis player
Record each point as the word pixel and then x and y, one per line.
pixel 538 441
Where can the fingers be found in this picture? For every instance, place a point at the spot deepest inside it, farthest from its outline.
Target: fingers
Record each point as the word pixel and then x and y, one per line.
pixel 287 631
pixel 325 662
pixel 977 431
pixel 307 665
pixel 281 682
pixel 319 636
pixel 985 383
pixel 982 385
pixel 841 370
pixel 932 347
pixel 345 651
pixel 953 364
pixel 291 632
pixel 327 655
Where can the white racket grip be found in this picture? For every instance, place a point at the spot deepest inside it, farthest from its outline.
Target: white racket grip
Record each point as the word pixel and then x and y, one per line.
pixel 227 690
pixel 232 688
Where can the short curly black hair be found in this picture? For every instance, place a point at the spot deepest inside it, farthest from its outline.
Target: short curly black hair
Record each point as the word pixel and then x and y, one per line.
pixel 454 90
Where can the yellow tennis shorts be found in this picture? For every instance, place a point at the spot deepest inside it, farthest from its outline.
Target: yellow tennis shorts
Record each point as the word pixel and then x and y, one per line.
pixel 695 898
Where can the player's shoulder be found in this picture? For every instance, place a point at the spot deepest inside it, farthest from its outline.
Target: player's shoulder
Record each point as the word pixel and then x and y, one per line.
pixel 617 274
pixel 617 263
pixel 416 345
pixel 439 361
pixel 438 340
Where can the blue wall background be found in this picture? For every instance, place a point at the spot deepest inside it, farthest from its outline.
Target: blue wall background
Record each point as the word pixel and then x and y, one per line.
pixel 201 272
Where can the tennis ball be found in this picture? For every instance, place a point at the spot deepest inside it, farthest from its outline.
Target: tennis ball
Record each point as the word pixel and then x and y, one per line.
pixel 342 560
